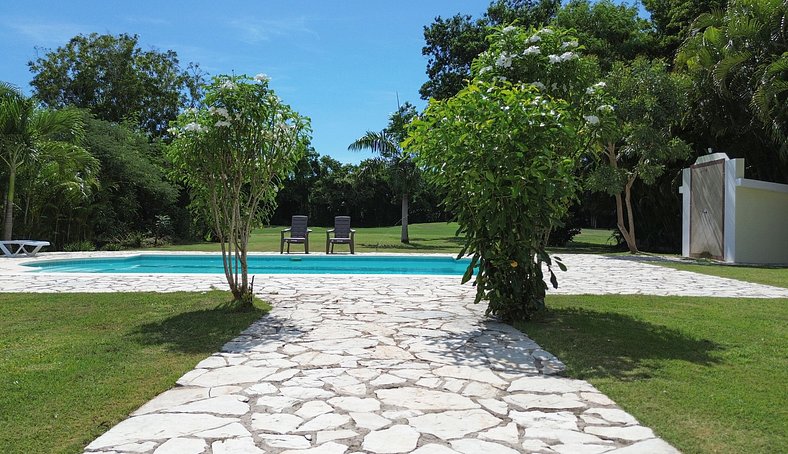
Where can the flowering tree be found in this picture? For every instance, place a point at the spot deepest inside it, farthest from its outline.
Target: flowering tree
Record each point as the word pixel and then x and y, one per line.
pixel 233 154
pixel 505 149
pixel 635 137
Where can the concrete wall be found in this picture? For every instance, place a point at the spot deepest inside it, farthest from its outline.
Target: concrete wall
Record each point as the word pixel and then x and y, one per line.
pixel 761 232
pixel 756 216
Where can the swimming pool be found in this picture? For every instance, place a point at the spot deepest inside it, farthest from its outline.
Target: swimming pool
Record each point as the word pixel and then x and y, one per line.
pixel 260 264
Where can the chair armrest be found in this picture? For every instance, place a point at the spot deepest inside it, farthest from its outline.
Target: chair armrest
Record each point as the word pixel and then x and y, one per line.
pixel 330 230
pixel 286 230
pixel 307 232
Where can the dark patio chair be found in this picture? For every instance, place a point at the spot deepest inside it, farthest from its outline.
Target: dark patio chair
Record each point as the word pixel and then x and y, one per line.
pixel 343 234
pixel 299 233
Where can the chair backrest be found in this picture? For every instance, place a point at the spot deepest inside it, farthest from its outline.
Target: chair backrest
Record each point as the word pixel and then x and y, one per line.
pixel 342 227
pixel 298 226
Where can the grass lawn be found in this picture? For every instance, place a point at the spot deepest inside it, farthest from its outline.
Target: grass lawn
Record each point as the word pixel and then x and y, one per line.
pixel 74 365
pixel 707 374
pixel 759 274
pixel 430 237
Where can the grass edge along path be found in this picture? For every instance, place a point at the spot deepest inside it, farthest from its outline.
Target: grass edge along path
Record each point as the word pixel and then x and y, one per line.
pixel 74 365
pixel 707 374
pixel 767 275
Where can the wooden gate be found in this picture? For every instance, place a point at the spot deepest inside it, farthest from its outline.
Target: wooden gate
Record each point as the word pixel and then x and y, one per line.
pixel 707 209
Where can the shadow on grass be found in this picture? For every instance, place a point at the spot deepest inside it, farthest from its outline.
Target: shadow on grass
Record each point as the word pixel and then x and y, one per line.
pixel 586 248
pixel 602 344
pixel 202 331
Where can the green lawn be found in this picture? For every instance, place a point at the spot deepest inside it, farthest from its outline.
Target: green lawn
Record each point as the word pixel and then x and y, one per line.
pixel 707 374
pixel 777 276
pixel 430 237
pixel 74 365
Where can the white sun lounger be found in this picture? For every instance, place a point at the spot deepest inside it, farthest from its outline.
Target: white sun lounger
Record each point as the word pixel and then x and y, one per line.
pixel 17 248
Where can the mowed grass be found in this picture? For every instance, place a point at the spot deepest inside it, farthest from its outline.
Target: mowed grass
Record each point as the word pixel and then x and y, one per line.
pixel 707 374
pixel 776 276
pixel 431 237
pixel 424 238
pixel 74 365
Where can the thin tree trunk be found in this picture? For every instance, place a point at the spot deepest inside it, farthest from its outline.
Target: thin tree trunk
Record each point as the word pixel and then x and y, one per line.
pixel 633 247
pixel 9 204
pixel 405 239
pixel 627 233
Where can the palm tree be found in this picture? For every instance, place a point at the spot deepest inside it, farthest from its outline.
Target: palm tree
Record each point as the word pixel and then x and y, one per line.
pixel 29 133
pixel 402 170
pixel 743 52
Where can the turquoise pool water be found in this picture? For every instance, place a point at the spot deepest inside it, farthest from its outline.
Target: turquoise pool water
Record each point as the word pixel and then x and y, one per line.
pixel 260 264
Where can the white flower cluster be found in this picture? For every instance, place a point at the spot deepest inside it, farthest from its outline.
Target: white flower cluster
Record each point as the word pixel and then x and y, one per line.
pixel 193 126
pixel 228 85
pixel 485 69
pixel 538 85
pixel 545 31
pixel 262 77
pixel 593 88
pixel 568 44
pixel 566 56
pixel 534 39
pixel 591 119
pixel 509 29
pixel 222 112
pixel 605 108
pixel 532 50
pixel 504 60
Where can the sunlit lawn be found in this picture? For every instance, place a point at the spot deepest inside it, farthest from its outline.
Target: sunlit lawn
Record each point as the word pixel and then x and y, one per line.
pixel 777 276
pixel 74 365
pixel 707 374
pixel 430 237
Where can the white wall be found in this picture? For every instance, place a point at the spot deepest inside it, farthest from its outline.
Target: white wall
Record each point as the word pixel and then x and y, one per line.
pixel 761 232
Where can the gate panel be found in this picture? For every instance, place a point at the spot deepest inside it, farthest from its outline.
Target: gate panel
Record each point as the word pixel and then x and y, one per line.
pixel 707 209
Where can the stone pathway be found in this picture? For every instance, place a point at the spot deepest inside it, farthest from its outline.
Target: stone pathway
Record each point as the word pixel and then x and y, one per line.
pixel 384 364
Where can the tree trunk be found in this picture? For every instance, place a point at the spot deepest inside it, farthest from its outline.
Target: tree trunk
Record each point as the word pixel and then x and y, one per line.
pixel 9 205
pixel 404 237
pixel 632 242
pixel 627 232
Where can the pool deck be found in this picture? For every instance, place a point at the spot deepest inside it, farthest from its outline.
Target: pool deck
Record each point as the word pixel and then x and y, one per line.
pixel 382 364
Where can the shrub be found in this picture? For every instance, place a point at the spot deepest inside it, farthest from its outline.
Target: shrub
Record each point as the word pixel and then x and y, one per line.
pixel 79 246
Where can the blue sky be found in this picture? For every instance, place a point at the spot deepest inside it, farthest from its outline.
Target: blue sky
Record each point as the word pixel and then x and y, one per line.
pixel 339 62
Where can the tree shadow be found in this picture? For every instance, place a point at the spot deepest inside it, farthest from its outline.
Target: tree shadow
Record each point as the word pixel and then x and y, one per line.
pixel 608 345
pixel 201 331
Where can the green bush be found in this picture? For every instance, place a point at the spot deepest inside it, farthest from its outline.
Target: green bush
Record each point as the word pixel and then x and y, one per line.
pixel 505 155
pixel 79 246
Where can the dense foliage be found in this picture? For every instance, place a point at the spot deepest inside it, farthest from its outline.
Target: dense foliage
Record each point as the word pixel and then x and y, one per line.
pixel 505 156
pixel 116 80
pixel 233 154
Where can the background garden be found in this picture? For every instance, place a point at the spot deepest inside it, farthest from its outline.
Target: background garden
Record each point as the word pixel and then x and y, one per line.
pixel 114 190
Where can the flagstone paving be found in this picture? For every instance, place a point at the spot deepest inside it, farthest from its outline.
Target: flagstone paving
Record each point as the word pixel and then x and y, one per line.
pixel 384 364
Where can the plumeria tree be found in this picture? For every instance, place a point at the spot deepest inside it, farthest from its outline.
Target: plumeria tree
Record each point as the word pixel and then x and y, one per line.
pixel 505 150
pixel 233 154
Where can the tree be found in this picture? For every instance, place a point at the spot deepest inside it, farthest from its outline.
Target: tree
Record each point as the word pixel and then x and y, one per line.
pixel 740 54
pixel 672 20
pixel 499 150
pixel 402 170
pixel 452 44
pixel 134 188
pixel 233 154
pixel 116 80
pixel 29 134
pixel 635 113
pixel 613 32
